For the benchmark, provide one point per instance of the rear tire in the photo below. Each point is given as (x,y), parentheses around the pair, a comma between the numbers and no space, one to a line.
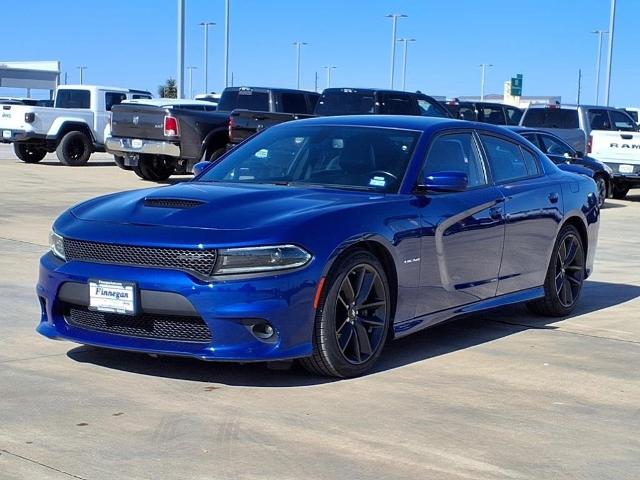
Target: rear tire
(215,154)
(28,153)
(565,276)
(74,149)
(352,319)
(620,191)
(120,162)
(154,168)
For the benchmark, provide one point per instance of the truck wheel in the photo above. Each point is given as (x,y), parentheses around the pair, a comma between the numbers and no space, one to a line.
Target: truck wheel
(215,154)
(120,162)
(620,191)
(28,153)
(155,168)
(74,149)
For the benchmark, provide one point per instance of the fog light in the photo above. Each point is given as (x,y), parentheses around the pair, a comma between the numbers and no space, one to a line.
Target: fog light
(263,331)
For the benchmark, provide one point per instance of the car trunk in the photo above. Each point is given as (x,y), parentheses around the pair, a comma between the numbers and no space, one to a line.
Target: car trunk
(138,121)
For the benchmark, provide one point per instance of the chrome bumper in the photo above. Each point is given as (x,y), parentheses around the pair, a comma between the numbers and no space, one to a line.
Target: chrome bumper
(123,146)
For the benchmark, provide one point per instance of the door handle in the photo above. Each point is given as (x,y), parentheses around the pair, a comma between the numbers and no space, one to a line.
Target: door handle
(554,197)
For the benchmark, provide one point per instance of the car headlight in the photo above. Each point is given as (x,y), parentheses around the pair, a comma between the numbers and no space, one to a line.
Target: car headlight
(260,259)
(56,244)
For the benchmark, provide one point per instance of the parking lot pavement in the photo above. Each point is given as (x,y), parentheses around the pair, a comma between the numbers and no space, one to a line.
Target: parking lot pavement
(505,395)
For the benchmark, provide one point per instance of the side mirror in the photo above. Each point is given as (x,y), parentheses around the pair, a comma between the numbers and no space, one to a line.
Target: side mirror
(445,182)
(200,167)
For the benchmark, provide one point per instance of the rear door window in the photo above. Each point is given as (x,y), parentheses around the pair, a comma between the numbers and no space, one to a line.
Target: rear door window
(73,99)
(113,98)
(245,98)
(293,103)
(599,119)
(398,104)
(345,102)
(431,109)
(506,159)
(531,162)
(552,117)
(513,115)
(622,122)
(493,115)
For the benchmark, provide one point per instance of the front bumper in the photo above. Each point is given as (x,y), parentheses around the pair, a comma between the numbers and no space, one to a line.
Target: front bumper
(631,177)
(227,307)
(124,147)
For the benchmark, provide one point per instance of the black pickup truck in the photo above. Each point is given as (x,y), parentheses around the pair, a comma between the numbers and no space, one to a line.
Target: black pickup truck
(157,138)
(339,101)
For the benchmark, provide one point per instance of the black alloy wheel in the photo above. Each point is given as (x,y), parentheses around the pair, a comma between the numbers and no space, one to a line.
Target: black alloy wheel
(565,276)
(353,317)
(601,184)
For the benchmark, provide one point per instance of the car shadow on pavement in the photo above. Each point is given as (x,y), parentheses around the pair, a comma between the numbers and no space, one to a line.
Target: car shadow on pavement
(442,339)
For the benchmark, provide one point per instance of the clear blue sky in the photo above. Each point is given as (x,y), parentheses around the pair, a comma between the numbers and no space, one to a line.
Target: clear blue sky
(133,43)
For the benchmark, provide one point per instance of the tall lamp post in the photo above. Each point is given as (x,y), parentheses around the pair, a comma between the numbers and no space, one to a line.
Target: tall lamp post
(483,66)
(612,21)
(191,69)
(206,26)
(328,68)
(404,60)
(226,44)
(82,68)
(180,66)
(298,45)
(598,61)
(394,20)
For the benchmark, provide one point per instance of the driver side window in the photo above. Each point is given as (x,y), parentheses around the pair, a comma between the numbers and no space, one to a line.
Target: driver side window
(456,152)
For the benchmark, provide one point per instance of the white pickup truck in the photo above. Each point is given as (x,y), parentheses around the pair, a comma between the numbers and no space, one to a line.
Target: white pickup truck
(606,134)
(74,127)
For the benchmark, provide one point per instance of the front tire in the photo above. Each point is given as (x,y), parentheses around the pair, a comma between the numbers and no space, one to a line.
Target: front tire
(565,276)
(154,168)
(620,191)
(74,149)
(601,185)
(28,153)
(352,319)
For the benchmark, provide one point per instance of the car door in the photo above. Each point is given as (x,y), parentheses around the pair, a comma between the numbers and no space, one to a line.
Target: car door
(558,151)
(462,233)
(533,207)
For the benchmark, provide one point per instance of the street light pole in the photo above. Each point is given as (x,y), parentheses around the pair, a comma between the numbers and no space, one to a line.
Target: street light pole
(598,62)
(206,26)
(612,21)
(191,69)
(328,68)
(180,66)
(394,20)
(298,45)
(226,43)
(484,68)
(82,69)
(404,61)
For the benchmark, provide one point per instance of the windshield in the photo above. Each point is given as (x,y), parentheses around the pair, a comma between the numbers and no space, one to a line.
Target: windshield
(355,158)
(346,102)
(245,98)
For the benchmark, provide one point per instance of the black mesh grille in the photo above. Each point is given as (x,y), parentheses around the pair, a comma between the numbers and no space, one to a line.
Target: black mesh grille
(172,203)
(161,327)
(197,261)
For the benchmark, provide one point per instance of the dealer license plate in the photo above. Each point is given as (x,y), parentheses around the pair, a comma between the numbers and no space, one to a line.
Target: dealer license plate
(136,143)
(6,133)
(112,297)
(625,168)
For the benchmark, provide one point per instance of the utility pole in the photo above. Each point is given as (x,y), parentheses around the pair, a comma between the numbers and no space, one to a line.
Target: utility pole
(315,84)
(598,62)
(226,43)
(206,26)
(298,45)
(394,20)
(483,66)
(180,66)
(191,69)
(579,85)
(612,21)
(404,61)
(82,69)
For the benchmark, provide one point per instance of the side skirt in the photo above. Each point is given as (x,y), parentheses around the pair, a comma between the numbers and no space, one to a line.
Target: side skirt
(410,326)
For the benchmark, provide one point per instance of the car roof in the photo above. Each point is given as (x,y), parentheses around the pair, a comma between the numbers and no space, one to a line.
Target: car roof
(569,106)
(166,102)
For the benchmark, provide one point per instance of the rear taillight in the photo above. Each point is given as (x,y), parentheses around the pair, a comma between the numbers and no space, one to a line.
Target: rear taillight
(589,144)
(171,126)
(29,117)
(232,124)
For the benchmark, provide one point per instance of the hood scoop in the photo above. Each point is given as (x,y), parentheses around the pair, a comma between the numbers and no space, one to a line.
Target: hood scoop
(177,203)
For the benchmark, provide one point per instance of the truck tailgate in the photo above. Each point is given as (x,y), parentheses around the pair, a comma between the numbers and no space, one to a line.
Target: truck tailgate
(616,147)
(138,121)
(244,123)
(12,116)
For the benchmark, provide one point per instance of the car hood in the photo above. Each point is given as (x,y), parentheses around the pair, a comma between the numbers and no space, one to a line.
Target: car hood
(217,206)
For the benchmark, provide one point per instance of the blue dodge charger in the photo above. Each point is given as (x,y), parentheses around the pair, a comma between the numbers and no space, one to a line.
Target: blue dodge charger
(321,239)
